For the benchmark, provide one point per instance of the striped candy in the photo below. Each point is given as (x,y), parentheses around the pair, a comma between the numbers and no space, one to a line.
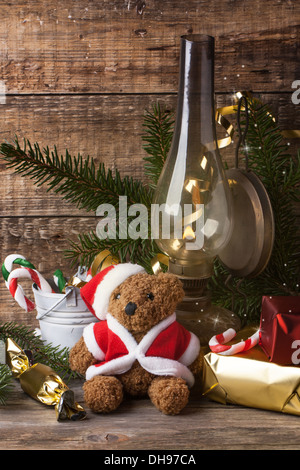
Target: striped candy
(59,280)
(217,343)
(27,271)
(89,275)
(17,291)
(10,260)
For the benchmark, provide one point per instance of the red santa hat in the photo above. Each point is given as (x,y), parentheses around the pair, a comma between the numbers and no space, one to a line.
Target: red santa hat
(97,291)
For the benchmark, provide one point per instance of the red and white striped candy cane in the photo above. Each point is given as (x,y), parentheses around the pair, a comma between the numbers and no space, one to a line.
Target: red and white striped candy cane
(17,291)
(217,345)
(12,260)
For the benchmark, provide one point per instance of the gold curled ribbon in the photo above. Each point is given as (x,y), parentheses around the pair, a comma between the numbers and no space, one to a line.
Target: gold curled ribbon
(291,134)
(220,119)
(102,261)
(228,110)
(157,261)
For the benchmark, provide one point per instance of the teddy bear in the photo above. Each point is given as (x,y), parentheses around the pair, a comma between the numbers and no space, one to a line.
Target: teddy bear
(137,347)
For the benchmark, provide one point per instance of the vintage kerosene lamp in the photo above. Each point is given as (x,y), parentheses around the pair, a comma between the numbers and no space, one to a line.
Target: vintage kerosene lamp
(192,209)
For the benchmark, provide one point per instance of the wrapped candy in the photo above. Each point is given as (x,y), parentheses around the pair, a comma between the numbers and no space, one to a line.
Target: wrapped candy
(42,383)
(250,379)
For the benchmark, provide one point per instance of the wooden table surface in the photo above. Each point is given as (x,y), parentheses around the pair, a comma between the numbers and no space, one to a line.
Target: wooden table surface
(203,425)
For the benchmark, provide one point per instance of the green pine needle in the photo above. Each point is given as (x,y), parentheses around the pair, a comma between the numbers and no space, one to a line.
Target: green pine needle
(52,356)
(75,179)
(280,173)
(6,383)
(158,126)
(79,182)
(140,251)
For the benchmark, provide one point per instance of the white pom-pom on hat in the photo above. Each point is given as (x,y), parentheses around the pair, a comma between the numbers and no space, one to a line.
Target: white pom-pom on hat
(96,293)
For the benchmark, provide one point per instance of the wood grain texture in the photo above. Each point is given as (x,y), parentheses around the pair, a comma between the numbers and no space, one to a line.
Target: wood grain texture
(43,241)
(80,75)
(129,46)
(202,425)
(107,127)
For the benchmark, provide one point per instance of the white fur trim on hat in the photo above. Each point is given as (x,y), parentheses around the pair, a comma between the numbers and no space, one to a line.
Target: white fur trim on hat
(112,279)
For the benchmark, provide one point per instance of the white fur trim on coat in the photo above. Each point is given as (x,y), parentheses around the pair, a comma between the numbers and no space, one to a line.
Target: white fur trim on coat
(137,351)
(91,343)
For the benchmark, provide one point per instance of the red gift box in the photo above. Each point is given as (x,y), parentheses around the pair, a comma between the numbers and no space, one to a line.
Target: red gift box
(280,328)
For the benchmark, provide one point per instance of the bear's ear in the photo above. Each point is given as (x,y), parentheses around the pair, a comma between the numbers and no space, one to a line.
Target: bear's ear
(172,285)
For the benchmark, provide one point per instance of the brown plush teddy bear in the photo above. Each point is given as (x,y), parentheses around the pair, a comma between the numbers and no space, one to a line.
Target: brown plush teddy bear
(137,347)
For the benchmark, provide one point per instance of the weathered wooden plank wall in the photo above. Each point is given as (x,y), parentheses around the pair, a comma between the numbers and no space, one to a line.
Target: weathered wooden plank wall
(79,75)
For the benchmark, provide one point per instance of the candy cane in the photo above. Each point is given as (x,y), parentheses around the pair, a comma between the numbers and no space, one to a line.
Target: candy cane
(10,260)
(217,345)
(59,280)
(17,291)
(89,275)
(27,271)
(15,258)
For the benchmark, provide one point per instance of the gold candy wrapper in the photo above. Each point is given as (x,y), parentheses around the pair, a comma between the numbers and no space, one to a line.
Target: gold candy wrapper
(250,380)
(75,282)
(43,384)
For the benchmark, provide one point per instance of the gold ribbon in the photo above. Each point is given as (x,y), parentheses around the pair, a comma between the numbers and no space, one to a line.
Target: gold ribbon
(105,259)
(220,119)
(157,261)
(102,261)
(291,134)
(228,110)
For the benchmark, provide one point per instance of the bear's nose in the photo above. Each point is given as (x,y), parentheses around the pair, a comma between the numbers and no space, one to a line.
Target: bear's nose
(130,308)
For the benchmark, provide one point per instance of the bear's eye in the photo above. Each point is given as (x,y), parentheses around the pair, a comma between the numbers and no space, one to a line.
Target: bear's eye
(118,296)
(150,296)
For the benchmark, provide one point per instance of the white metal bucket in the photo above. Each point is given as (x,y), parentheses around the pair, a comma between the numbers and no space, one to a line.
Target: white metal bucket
(62,317)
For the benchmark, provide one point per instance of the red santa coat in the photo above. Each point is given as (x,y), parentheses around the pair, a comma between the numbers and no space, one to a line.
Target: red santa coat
(167,349)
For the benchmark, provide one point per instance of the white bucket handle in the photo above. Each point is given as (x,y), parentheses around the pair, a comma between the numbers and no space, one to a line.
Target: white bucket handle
(41,315)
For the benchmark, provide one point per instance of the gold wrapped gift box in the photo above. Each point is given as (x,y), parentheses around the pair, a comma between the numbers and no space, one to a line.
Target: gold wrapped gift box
(251,380)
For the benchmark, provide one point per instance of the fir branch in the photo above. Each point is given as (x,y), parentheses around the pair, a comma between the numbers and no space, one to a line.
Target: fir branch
(53,356)
(159,132)
(280,173)
(140,251)
(75,179)
(6,383)
(79,182)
